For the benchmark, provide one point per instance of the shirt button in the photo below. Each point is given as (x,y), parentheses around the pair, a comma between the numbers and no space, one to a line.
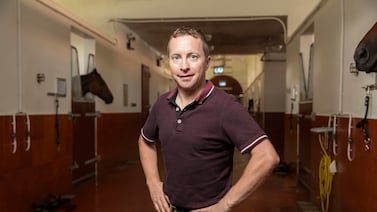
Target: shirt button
(177,109)
(179,121)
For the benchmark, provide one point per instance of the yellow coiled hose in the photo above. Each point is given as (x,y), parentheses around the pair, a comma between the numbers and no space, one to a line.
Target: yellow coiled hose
(325,178)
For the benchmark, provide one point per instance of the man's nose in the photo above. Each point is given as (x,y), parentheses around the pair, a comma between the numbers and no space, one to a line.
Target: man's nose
(185,66)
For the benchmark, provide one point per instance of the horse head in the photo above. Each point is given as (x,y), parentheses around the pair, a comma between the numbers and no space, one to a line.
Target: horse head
(365,54)
(94,83)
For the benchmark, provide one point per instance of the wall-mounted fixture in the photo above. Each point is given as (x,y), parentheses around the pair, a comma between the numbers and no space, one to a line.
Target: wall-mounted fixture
(353,69)
(41,77)
(208,37)
(130,38)
(158,60)
(61,88)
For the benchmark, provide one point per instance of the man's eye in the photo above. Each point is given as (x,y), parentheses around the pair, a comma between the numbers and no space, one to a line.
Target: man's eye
(175,58)
(193,57)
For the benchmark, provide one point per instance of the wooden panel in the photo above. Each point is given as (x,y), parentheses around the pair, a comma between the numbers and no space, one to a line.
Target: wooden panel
(274,123)
(305,107)
(117,139)
(83,140)
(305,155)
(27,177)
(354,186)
(8,161)
(145,83)
(290,139)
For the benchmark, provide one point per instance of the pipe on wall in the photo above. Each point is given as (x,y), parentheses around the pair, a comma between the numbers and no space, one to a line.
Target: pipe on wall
(19,56)
(341,58)
(20,87)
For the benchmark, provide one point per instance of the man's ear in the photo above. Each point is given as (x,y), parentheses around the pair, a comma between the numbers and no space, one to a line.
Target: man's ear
(208,61)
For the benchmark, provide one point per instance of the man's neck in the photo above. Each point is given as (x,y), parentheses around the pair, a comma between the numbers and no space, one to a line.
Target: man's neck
(185,97)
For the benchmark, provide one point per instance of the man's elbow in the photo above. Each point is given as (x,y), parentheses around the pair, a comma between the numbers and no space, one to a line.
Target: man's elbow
(270,157)
(273,159)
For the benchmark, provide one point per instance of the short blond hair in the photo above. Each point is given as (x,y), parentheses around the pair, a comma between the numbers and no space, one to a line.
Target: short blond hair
(196,33)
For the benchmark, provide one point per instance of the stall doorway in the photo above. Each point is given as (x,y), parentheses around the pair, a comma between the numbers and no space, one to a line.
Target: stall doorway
(145,76)
(84,153)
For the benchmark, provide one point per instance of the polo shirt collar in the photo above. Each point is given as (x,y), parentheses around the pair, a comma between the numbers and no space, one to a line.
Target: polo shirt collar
(206,92)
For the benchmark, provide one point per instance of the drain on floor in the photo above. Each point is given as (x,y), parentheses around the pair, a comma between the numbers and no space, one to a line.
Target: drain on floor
(307,206)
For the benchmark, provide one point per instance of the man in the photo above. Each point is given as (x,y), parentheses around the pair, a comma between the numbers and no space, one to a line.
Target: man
(198,127)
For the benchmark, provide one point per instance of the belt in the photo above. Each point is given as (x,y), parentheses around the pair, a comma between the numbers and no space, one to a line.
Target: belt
(178,209)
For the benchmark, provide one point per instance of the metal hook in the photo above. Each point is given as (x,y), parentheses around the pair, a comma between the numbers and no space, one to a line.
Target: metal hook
(367,142)
(14,134)
(367,148)
(28,134)
(334,144)
(349,147)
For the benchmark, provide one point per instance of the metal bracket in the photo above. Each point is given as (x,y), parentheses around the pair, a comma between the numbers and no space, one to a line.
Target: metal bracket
(74,166)
(369,88)
(95,114)
(72,116)
(93,160)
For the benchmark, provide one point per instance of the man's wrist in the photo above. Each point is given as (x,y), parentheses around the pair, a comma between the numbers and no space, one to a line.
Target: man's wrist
(226,204)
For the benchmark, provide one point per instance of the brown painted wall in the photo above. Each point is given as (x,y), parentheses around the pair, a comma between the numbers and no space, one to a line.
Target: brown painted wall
(354,186)
(27,177)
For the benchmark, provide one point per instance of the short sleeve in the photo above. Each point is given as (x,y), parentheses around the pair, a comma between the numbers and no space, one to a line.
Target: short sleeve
(150,128)
(240,127)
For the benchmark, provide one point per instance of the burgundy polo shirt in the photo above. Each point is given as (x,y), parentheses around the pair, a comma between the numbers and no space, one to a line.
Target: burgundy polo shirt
(197,144)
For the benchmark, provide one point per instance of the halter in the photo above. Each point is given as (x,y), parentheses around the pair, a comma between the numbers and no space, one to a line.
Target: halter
(364,122)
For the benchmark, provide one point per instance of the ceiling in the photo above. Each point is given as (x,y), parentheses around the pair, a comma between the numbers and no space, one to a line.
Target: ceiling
(243,35)
(231,26)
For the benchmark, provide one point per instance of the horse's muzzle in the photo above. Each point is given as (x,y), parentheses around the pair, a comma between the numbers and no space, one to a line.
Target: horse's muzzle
(366,58)
(365,54)
(109,99)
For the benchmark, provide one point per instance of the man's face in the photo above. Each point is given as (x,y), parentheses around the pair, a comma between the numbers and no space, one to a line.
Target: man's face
(188,63)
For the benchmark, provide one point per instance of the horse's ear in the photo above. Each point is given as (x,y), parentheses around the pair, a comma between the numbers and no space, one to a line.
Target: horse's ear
(95,70)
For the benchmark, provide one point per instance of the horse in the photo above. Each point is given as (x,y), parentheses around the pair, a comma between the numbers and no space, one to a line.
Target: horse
(365,54)
(94,83)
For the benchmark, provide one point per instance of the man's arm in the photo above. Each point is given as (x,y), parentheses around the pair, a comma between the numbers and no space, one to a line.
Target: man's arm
(149,161)
(263,160)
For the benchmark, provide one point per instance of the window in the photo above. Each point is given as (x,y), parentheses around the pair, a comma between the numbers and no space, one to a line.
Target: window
(222,83)
(218,69)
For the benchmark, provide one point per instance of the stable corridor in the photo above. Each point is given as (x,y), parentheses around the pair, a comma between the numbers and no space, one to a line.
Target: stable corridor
(124,190)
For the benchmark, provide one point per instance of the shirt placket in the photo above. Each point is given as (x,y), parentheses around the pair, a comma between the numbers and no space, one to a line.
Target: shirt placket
(179,118)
